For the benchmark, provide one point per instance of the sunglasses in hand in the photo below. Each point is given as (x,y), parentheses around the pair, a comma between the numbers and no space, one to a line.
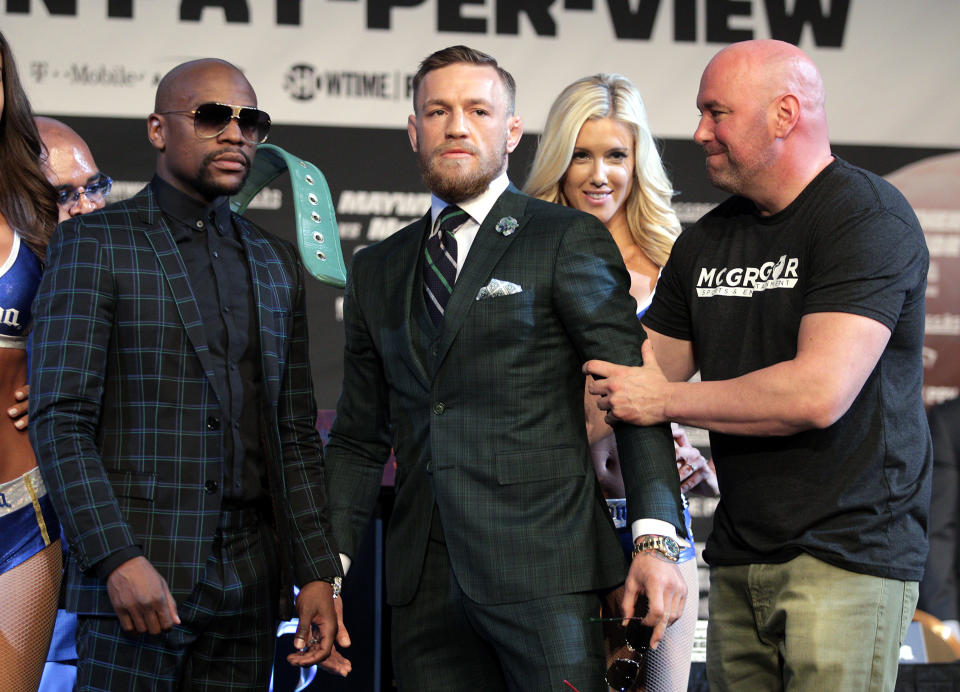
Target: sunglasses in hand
(623,673)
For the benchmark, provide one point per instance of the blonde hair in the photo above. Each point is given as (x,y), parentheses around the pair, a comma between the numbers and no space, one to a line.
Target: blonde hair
(650,218)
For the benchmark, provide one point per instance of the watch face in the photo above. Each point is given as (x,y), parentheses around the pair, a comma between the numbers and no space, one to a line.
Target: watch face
(671,548)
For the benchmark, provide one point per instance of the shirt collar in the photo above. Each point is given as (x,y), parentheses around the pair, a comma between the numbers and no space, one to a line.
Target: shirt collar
(187,210)
(479,206)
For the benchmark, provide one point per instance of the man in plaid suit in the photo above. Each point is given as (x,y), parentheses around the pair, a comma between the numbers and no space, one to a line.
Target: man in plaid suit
(173,416)
(499,542)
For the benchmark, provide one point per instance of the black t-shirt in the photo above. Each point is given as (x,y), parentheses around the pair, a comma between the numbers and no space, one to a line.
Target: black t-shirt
(855,494)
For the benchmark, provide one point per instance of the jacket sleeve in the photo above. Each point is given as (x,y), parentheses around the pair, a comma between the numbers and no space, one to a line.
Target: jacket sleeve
(592,297)
(314,554)
(360,440)
(73,322)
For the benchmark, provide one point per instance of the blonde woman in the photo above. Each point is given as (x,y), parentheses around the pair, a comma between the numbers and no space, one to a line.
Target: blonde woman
(596,154)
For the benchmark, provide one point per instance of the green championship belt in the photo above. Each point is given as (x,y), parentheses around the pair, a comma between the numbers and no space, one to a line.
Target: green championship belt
(317,235)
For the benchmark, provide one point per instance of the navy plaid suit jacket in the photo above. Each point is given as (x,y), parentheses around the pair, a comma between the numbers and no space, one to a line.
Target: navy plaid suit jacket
(487,421)
(124,416)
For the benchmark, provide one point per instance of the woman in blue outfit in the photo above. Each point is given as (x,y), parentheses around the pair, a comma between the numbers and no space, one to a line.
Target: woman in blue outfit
(597,154)
(30,560)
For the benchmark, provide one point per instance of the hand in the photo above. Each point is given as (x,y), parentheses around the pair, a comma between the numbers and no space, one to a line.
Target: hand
(697,474)
(18,412)
(141,598)
(336,663)
(317,625)
(664,587)
(636,395)
(597,427)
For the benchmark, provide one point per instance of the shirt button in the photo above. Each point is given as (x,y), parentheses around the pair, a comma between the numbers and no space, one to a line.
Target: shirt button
(213,423)
(439,408)
(216,254)
(199,223)
(210,487)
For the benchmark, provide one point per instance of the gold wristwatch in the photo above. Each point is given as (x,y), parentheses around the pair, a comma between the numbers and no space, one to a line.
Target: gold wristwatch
(667,547)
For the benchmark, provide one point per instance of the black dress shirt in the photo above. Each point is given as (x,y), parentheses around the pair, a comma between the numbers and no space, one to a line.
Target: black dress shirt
(216,263)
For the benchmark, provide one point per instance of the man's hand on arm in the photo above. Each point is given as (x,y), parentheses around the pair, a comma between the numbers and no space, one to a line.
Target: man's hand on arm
(661,582)
(141,598)
(636,395)
(836,352)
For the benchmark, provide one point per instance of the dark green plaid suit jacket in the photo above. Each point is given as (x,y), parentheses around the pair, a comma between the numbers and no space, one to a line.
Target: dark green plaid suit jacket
(488,422)
(124,416)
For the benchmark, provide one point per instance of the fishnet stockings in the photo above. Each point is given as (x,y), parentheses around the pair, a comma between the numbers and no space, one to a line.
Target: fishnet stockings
(28,609)
(668,668)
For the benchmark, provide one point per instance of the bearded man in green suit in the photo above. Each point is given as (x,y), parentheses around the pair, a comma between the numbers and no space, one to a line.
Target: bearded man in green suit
(465,336)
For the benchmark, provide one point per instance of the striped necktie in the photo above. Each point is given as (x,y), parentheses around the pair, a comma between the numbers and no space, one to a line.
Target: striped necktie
(440,262)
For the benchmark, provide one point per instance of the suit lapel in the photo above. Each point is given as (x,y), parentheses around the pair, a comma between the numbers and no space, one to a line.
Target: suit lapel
(266,301)
(175,273)
(408,266)
(487,249)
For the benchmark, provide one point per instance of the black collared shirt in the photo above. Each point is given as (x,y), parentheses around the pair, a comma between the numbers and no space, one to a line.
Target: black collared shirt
(216,262)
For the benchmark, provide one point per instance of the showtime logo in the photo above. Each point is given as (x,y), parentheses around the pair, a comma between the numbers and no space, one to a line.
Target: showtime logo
(743,282)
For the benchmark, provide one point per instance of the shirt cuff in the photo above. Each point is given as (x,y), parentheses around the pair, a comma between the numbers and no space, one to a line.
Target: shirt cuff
(345,563)
(114,560)
(656,527)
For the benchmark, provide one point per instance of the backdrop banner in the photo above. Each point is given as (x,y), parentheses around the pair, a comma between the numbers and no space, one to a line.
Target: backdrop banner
(335,77)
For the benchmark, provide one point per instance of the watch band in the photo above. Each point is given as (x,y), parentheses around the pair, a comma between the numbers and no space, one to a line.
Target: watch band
(316,222)
(665,547)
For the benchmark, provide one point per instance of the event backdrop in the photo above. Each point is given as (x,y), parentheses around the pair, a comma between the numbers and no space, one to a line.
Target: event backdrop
(335,77)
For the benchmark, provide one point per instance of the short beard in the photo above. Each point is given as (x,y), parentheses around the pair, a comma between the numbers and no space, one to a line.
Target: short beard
(738,178)
(455,186)
(751,164)
(209,189)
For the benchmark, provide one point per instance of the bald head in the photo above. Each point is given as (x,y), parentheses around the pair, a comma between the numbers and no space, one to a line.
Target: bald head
(193,155)
(763,125)
(68,165)
(180,84)
(769,68)
(63,147)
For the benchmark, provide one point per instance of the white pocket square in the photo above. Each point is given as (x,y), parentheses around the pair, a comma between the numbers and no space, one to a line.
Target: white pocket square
(497,288)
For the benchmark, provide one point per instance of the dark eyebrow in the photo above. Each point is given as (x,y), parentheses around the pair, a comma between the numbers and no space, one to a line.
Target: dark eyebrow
(429,103)
(445,104)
